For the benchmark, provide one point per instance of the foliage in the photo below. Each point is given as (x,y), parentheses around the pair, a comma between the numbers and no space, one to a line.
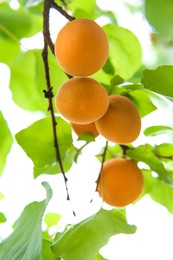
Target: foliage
(149,88)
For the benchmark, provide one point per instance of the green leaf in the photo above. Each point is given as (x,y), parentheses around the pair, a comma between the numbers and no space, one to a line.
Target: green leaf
(109,14)
(142,101)
(6,141)
(149,181)
(159,80)
(138,96)
(83,8)
(47,253)
(108,68)
(113,151)
(165,150)
(88,137)
(159,14)
(2,217)
(125,50)
(144,154)
(163,194)
(18,23)
(52,219)
(99,257)
(26,92)
(38,143)
(84,240)
(26,240)
(158,130)
(10,50)
(28,79)
(67,160)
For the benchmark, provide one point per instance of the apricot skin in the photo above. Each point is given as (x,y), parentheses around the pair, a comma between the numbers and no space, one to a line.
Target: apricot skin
(121,123)
(81,47)
(82,100)
(120,182)
(87,128)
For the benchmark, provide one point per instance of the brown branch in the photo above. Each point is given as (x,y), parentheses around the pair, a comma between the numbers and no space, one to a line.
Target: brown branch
(46,32)
(60,10)
(48,93)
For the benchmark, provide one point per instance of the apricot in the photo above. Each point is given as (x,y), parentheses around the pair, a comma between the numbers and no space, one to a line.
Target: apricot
(82,100)
(87,128)
(120,182)
(122,122)
(81,47)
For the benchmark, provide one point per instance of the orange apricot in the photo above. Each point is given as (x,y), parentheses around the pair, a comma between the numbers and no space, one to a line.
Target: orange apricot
(81,47)
(87,128)
(122,122)
(120,182)
(82,100)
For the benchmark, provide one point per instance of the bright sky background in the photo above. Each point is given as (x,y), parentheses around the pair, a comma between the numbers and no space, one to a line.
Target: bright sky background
(154,236)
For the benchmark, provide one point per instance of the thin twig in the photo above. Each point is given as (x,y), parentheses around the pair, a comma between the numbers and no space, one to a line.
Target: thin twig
(103,160)
(61,10)
(46,32)
(48,93)
(103,157)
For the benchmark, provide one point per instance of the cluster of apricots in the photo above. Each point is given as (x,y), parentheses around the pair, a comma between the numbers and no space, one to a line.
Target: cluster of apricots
(81,49)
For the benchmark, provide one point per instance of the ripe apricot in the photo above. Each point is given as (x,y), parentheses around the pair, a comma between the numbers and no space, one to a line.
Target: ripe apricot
(122,122)
(87,128)
(82,100)
(120,182)
(81,47)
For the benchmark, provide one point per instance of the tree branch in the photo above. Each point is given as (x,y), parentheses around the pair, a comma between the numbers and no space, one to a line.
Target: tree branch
(61,10)
(48,93)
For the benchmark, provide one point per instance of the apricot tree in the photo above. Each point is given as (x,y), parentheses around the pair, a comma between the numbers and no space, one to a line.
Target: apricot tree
(89,87)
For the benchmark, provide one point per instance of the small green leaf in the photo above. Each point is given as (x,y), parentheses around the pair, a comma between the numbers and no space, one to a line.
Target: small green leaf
(144,154)
(38,143)
(2,217)
(46,253)
(88,137)
(116,80)
(163,194)
(99,257)
(52,219)
(149,181)
(142,101)
(26,240)
(125,50)
(84,240)
(159,80)
(165,150)
(6,141)
(158,130)
(113,151)
(83,8)
(108,67)
(159,14)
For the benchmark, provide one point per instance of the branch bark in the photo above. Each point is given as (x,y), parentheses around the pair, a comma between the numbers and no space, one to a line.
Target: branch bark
(49,93)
